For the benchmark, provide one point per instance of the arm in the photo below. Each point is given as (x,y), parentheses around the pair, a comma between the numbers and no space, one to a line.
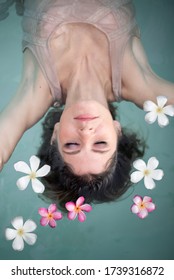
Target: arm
(139,82)
(28,106)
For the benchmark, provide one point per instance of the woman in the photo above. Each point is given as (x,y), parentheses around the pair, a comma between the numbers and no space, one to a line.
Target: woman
(83,55)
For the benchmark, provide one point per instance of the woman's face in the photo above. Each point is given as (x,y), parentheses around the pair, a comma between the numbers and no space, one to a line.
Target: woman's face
(86,137)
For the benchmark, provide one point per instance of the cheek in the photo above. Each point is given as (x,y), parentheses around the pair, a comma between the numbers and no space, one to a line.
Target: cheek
(111,133)
(66,131)
(108,129)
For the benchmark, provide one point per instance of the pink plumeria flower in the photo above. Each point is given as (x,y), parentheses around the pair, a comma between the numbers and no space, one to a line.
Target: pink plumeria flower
(142,206)
(50,215)
(76,209)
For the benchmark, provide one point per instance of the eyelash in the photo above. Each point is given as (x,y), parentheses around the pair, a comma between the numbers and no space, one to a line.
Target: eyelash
(100,142)
(70,144)
(76,144)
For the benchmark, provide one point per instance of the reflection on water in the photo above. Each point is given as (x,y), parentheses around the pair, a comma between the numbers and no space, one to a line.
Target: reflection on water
(111,231)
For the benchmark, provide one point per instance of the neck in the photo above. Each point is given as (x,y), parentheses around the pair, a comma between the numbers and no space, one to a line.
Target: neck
(87,82)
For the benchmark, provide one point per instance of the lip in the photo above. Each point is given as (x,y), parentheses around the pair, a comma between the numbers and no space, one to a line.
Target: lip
(85,117)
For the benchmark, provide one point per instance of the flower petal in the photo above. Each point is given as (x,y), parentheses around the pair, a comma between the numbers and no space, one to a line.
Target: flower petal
(86,207)
(10,233)
(139,164)
(137,199)
(142,214)
(163,120)
(157,174)
(43,171)
(57,216)
(151,117)
(72,215)
(37,186)
(22,183)
(169,110)
(18,243)
(43,212)
(147,199)
(149,106)
(21,166)
(81,216)
(70,206)
(44,221)
(80,201)
(136,176)
(34,163)
(152,163)
(29,226)
(52,223)
(149,183)
(30,238)
(135,209)
(52,208)
(17,222)
(161,101)
(150,206)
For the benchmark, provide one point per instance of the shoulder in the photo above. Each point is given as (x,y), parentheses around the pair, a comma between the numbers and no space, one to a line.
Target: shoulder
(139,81)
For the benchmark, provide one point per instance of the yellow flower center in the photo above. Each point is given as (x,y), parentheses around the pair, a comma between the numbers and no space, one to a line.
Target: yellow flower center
(77,209)
(146,172)
(159,110)
(142,206)
(20,231)
(50,216)
(33,175)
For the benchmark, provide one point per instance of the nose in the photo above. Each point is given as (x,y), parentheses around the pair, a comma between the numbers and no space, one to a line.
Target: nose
(86,128)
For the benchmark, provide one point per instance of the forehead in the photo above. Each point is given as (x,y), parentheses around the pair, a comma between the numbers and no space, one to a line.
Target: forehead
(89,164)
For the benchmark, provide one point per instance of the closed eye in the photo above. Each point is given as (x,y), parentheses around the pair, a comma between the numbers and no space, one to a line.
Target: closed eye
(71,146)
(100,144)
(74,148)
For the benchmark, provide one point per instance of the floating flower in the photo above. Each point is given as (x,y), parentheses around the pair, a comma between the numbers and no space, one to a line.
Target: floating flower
(158,111)
(148,172)
(142,206)
(49,216)
(33,173)
(77,209)
(21,233)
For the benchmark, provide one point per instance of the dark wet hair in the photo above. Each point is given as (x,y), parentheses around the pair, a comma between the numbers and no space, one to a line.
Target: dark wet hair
(62,185)
(5,6)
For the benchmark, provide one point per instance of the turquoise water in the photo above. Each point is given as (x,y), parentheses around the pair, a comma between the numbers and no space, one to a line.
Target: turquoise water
(111,231)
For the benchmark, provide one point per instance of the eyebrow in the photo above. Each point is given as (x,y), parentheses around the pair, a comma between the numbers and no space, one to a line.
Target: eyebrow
(78,151)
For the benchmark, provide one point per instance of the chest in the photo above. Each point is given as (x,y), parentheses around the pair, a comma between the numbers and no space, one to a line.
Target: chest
(71,42)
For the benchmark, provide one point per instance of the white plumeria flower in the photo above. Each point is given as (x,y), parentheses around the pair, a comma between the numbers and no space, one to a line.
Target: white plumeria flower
(148,172)
(158,111)
(21,232)
(32,174)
